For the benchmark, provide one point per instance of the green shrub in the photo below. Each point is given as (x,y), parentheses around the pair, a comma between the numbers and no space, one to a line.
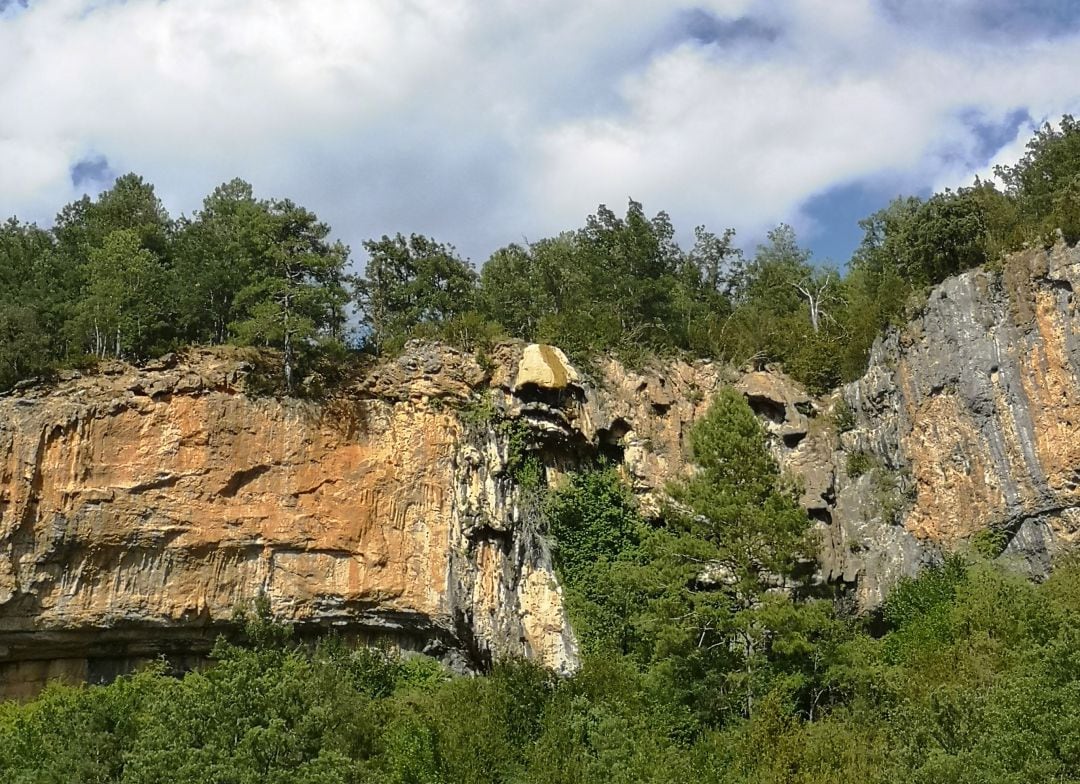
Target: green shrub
(843,416)
(859,463)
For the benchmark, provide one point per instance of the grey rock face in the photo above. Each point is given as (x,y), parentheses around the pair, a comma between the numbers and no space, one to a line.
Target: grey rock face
(967,425)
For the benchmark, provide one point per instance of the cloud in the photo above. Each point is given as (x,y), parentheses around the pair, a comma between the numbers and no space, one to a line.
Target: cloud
(483,123)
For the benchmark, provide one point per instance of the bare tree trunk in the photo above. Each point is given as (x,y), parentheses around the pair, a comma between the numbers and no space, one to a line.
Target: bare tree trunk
(749,675)
(287,346)
(814,298)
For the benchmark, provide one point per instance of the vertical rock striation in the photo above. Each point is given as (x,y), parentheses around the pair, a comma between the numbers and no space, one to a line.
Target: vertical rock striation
(969,422)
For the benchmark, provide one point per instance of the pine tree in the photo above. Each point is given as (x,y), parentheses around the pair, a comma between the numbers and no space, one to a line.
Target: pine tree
(743,525)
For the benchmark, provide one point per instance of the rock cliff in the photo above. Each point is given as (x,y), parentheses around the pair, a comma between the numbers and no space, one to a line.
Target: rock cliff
(966,428)
(140,506)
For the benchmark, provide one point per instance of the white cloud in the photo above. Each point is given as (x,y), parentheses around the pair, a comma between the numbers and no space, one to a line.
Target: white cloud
(482,122)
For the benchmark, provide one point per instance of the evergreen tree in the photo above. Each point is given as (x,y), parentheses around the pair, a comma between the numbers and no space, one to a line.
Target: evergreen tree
(295,295)
(743,528)
(409,282)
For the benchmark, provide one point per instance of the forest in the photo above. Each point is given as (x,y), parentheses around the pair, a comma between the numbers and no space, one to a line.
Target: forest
(707,653)
(117,277)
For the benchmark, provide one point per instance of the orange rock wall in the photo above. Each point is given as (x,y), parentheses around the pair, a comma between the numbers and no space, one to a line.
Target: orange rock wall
(123,510)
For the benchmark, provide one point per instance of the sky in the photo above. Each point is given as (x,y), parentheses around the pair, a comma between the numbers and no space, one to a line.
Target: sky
(482,123)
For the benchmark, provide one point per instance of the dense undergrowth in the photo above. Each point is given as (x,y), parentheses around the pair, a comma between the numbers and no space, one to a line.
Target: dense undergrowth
(117,276)
(694,669)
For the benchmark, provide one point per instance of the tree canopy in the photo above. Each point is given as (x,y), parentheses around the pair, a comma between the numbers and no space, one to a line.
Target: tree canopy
(117,276)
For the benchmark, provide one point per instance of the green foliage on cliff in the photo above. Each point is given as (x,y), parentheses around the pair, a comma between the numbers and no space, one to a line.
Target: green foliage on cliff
(116,277)
(1045,183)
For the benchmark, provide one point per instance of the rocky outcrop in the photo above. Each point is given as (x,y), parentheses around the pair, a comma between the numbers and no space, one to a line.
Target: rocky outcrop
(140,506)
(967,428)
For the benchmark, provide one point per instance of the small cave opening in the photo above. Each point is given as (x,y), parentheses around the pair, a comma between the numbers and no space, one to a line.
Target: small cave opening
(1060,284)
(556,398)
(792,440)
(610,440)
(772,410)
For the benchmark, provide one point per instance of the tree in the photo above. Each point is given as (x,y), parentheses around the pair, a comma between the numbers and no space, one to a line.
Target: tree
(1046,182)
(120,312)
(738,501)
(125,230)
(789,311)
(216,253)
(129,204)
(409,282)
(618,283)
(24,343)
(519,287)
(719,264)
(776,266)
(631,265)
(820,289)
(743,527)
(295,295)
(26,302)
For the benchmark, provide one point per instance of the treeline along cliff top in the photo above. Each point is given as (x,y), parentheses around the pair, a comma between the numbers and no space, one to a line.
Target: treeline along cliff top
(117,276)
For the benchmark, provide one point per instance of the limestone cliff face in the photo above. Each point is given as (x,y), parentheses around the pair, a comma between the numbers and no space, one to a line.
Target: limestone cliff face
(140,506)
(968,426)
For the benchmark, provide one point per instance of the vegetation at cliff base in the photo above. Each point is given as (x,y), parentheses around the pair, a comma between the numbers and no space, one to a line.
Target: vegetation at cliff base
(695,668)
(117,276)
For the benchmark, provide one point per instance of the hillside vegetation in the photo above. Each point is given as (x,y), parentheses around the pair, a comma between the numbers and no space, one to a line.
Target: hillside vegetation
(116,276)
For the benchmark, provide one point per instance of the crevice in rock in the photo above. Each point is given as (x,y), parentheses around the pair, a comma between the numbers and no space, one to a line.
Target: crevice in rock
(241,478)
(610,440)
(154,484)
(315,488)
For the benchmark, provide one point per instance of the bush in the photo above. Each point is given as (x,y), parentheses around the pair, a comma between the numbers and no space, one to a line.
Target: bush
(859,463)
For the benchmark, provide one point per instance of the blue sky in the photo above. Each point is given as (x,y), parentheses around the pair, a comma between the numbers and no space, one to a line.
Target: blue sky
(484,123)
